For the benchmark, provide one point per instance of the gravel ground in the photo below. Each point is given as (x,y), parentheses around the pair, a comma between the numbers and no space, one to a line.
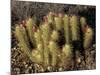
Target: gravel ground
(20,64)
(21,10)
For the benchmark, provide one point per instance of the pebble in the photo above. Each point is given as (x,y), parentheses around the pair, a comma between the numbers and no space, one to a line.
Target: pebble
(14,48)
(60,69)
(94,45)
(30,67)
(49,68)
(26,66)
(42,70)
(13,60)
(27,71)
(17,70)
(24,63)
(78,60)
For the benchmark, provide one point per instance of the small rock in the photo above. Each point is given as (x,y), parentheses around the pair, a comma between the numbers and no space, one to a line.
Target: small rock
(60,69)
(78,60)
(30,67)
(26,66)
(24,62)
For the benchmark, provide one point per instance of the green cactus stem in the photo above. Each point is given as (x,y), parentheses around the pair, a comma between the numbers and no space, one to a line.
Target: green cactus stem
(23,40)
(74,23)
(41,50)
(66,55)
(83,23)
(36,54)
(46,31)
(54,35)
(88,37)
(38,37)
(30,26)
(58,22)
(50,18)
(53,49)
(67,29)
(46,56)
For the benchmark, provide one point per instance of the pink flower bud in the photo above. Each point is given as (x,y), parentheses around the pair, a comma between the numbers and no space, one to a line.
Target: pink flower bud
(60,15)
(23,23)
(51,13)
(45,19)
(85,28)
(55,14)
(34,29)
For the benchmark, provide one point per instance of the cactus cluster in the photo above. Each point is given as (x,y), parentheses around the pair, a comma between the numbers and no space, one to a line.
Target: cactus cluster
(42,44)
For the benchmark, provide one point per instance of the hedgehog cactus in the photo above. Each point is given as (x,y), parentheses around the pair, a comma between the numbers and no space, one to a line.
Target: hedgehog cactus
(41,44)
